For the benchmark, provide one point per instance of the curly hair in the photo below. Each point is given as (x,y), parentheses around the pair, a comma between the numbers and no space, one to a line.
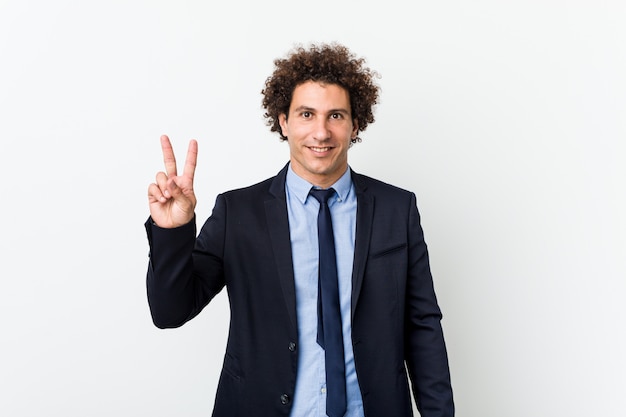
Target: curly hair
(325,63)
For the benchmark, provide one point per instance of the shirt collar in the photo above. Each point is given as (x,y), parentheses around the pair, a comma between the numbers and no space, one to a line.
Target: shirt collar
(299,187)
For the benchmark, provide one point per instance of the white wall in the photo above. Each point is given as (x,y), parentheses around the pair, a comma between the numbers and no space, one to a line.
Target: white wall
(508,119)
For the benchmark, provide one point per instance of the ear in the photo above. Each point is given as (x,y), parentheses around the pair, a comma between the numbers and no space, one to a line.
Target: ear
(355,128)
(282,120)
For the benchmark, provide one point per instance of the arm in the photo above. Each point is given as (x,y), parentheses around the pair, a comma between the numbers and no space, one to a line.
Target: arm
(426,354)
(184,273)
(180,280)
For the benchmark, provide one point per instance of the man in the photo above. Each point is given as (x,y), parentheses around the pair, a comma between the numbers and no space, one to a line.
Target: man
(272,247)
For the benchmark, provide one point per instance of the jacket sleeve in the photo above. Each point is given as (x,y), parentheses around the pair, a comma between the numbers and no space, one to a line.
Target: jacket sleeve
(426,353)
(184,273)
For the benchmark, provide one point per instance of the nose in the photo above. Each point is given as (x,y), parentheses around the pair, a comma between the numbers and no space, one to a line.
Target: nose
(321,131)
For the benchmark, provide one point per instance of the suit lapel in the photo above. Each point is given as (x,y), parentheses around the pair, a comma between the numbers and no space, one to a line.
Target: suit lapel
(364,218)
(278,227)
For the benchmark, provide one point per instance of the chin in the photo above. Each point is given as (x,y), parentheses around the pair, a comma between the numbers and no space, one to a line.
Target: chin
(321,170)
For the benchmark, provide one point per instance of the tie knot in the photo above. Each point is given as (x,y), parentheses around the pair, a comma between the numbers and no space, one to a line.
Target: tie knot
(322,195)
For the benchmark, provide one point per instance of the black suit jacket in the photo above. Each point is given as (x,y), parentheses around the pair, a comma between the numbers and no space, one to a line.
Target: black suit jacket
(245,246)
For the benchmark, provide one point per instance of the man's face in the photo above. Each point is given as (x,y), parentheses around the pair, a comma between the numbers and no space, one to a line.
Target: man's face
(319,129)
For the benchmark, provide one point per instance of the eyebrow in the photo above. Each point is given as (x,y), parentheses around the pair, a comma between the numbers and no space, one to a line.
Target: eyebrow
(311,109)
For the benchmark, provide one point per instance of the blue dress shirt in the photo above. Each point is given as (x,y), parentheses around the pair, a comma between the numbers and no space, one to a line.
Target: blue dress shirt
(310,394)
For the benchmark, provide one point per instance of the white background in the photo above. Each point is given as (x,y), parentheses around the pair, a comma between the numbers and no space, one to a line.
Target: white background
(507,118)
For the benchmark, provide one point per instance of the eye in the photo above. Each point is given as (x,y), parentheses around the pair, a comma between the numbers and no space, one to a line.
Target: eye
(336,116)
(306,114)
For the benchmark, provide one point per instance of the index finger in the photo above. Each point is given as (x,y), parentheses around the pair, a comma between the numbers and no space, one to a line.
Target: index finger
(168,156)
(190,161)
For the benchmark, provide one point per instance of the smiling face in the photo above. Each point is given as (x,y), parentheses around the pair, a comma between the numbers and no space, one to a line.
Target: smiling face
(319,129)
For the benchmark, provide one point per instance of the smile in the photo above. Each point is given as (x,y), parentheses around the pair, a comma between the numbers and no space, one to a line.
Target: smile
(316,149)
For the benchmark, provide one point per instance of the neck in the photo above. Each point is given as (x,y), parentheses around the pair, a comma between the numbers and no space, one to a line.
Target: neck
(318,180)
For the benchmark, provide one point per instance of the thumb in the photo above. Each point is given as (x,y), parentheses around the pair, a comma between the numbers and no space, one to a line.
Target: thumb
(172,189)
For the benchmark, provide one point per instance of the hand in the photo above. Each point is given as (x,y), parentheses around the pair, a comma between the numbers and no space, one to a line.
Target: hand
(172,200)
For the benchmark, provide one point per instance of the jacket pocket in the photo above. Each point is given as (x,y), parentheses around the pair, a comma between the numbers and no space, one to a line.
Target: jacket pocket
(387,251)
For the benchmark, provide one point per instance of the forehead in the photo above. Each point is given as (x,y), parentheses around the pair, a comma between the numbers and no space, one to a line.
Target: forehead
(320,96)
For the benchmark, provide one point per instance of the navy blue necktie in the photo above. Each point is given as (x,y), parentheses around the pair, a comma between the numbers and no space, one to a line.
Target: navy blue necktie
(329,331)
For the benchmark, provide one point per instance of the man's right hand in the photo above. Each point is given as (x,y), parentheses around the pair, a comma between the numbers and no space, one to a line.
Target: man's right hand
(171,199)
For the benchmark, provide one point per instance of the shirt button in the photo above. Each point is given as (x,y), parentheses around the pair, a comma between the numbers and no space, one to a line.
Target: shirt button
(323,390)
(284,399)
(292,346)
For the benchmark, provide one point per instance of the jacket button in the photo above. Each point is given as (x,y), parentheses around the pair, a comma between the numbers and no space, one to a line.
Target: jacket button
(284,399)
(292,346)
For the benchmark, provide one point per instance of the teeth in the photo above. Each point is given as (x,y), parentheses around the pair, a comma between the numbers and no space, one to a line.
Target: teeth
(320,149)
